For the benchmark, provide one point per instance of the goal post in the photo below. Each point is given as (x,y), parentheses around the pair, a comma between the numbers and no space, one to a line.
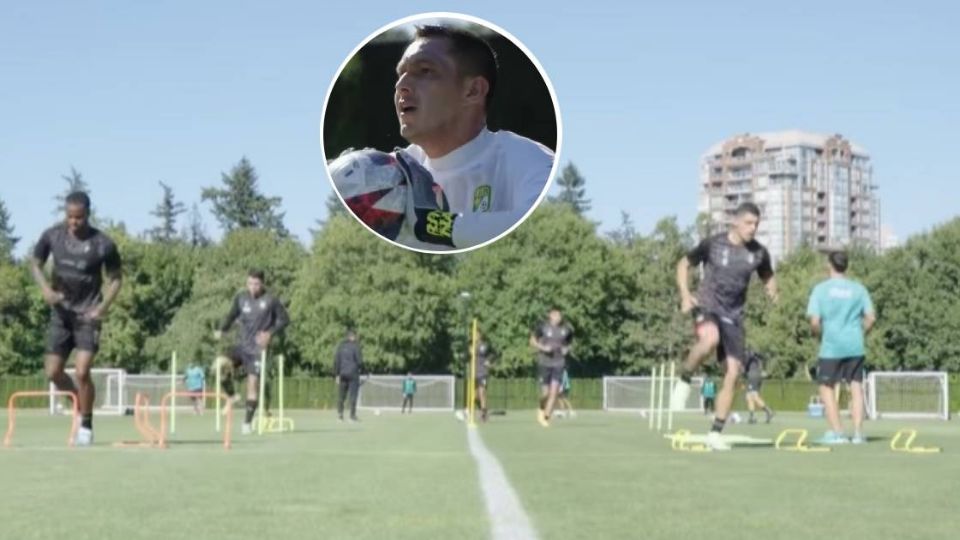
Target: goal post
(385,392)
(633,394)
(110,397)
(908,394)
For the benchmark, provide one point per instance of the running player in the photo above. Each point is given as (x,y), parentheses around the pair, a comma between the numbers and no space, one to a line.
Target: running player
(81,255)
(564,396)
(553,341)
(261,316)
(729,261)
(445,83)
(754,373)
(841,312)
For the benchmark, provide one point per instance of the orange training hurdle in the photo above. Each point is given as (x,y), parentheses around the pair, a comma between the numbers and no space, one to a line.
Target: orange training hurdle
(12,417)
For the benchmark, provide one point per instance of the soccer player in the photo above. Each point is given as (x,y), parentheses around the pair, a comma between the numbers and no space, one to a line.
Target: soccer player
(445,83)
(409,390)
(841,312)
(261,316)
(729,260)
(564,396)
(709,393)
(754,372)
(484,361)
(194,380)
(347,367)
(81,255)
(553,340)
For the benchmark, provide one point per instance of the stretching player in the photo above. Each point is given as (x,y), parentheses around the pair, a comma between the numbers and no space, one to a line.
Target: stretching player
(261,317)
(841,312)
(553,341)
(81,255)
(754,373)
(445,83)
(729,260)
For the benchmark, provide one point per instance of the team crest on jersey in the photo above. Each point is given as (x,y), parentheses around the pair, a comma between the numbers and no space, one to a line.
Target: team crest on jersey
(482,198)
(725,257)
(263,304)
(246,307)
(750,257)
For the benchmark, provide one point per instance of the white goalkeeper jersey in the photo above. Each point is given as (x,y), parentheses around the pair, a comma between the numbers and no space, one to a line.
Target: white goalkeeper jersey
(491,181)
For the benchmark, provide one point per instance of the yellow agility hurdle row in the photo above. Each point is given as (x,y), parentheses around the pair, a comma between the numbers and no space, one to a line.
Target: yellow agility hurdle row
(907,447)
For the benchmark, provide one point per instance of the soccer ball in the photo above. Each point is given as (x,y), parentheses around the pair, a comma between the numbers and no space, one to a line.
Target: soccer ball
(460,416)
(376,187)
(376,412)
(735,418)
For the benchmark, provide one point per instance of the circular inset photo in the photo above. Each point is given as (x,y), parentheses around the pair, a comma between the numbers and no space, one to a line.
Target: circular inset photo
(440,132)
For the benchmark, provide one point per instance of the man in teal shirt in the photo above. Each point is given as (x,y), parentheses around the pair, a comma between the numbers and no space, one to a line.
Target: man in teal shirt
(194,383)
(409,390)
(709,393)
(841,312)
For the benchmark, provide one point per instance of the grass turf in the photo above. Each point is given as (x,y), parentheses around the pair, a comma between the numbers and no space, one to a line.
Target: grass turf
(597,476)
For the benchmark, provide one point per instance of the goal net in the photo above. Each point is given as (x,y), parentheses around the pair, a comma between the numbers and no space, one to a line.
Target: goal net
(434,392)
(109,385)
(908,394)
(154,387)
(632,394)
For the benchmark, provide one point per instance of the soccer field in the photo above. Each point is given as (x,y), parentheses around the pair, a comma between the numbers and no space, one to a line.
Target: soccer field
(597,476)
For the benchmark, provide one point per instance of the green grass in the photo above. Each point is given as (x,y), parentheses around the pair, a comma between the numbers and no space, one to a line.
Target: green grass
(598,476)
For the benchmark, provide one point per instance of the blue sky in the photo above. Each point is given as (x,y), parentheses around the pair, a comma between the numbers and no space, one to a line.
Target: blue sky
(131,94)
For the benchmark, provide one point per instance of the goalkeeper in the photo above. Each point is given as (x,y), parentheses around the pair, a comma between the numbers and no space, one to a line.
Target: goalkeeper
(841,312)
(492,179)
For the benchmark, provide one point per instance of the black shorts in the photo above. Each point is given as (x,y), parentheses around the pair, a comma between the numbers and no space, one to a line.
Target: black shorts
(754,384)
(247,357)
(69,330)
(733,338)
(832,370)
(549,374)
(481,381)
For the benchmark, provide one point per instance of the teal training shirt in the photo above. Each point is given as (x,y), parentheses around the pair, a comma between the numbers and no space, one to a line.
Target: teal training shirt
(709,389)
(194,380)
(841,304)
(409,386)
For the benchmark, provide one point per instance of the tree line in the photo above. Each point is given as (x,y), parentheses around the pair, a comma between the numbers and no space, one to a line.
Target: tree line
(616,288)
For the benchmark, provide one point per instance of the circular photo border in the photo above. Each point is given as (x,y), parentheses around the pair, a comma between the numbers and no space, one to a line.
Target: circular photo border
(469,19)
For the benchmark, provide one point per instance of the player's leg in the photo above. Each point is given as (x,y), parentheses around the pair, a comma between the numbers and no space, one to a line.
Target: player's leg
(761,404)
(853,373)
(708,337)
(552,390)
(403,406)
(482,397)
(828,375)
(751,405)
(354,390)
(252,401)
(86,394)
(342,387)
(59,344)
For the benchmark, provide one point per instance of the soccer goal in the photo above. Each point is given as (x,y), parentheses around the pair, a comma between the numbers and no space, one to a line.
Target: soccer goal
(908,394)
(109,383)
(154,387)
(434,392)
(632,394)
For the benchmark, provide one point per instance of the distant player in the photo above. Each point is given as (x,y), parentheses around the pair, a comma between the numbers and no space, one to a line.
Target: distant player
(81,255)
(563,398)
(484,361)
(261,317)
(194,382)
(841,312)
(445,84)
(709,394)
(347,367)
(553,340)
(754,373)
(409,390)
(729,260)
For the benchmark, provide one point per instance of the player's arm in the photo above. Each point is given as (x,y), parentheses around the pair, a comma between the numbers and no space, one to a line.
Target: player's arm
(696,256)
(535,342)
(568,342)
(41,252)
(869,315)
(765,271)
(230,318)
(280,320)
(113,269)
(813,312)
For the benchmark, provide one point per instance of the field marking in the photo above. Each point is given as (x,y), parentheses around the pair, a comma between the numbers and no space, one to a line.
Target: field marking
(508,521)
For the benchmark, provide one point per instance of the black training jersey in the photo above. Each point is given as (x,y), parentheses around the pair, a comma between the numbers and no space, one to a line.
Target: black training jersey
(260,314)
(348,361)
(484,354)
(554,337)
(727,268)
(78,264)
